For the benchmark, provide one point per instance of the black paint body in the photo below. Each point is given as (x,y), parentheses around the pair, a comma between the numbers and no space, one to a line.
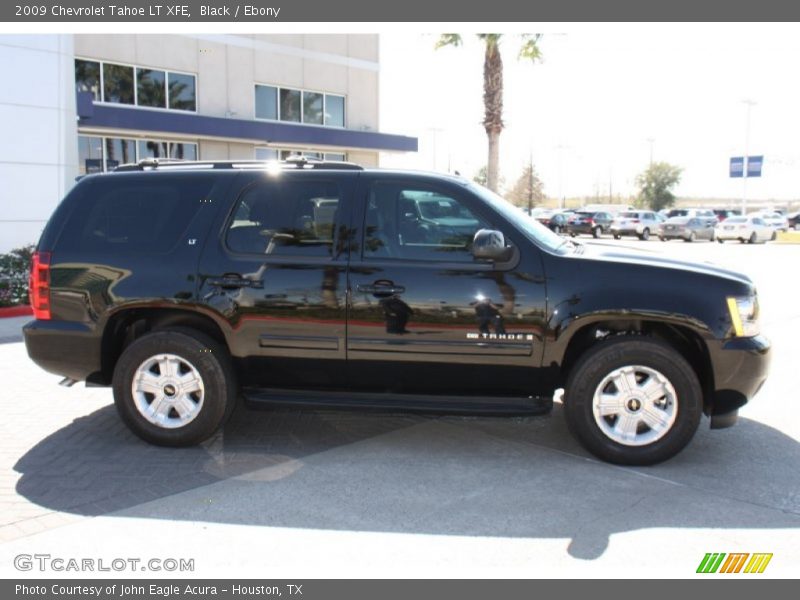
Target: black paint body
(353,324)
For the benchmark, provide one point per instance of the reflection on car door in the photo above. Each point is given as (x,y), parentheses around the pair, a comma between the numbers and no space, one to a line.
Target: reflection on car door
(423,313)
(277,275)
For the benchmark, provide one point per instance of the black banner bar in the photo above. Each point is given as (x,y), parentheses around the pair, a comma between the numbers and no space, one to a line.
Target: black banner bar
(341,11)
(377,589)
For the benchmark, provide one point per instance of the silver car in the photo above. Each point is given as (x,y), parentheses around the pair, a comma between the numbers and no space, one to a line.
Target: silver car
(688,229)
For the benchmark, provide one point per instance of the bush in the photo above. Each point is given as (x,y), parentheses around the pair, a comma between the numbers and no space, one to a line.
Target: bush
(14,269)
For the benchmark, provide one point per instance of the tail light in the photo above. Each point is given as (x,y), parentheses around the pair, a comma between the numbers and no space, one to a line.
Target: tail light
(590,221)
(634,220)
(742,226)
(39,285)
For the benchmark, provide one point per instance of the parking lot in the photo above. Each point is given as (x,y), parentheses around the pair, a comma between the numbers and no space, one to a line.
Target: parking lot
(364,494)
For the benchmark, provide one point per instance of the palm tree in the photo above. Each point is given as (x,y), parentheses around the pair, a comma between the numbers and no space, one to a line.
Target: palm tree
(493,89)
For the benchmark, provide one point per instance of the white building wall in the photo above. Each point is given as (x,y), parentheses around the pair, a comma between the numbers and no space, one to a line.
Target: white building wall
(38,150)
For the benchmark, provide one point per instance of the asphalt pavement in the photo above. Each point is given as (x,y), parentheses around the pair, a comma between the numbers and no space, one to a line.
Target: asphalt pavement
(314,494)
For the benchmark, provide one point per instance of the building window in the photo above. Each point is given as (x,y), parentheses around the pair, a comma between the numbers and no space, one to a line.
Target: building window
(182,95)
(266,102)
(90,154)
(118,84)
(119,152)
(140,86)
(151,89)
(290,105)
(299,106)
(312,108)
(334,110)
(87,77)
(97,154)
(284,153)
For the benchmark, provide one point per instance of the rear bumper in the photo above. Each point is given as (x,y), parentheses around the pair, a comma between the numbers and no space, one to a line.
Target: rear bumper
(64,348)
(741,366)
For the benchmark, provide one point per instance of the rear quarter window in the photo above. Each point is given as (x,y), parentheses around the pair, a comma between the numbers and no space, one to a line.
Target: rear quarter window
(135,214)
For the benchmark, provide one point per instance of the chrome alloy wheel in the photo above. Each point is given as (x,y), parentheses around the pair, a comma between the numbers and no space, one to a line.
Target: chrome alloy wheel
(635,405)
(168,391)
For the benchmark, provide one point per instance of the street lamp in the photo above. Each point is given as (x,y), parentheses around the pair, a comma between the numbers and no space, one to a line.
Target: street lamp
(651,141)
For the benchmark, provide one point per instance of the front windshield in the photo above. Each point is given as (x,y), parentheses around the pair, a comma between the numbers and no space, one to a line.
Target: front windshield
(531,228)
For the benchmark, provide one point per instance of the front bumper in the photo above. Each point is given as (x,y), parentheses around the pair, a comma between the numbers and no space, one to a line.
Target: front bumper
(741,366)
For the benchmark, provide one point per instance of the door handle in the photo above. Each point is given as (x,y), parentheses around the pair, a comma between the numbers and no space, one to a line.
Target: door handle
(380,289)
(235,281)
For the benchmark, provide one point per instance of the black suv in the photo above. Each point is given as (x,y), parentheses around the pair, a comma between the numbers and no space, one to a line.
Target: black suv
(184,286)
(594,223)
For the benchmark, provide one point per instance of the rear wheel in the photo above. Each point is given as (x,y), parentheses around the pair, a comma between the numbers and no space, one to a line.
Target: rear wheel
(617,236)
(633,401)
(556,229)
(174,387)
(720,240)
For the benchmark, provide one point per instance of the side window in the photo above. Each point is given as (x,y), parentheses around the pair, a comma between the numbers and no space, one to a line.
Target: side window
(137,214)
(408,221)
(287,218)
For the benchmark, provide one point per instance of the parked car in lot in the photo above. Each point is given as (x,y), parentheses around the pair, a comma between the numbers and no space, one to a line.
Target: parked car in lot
(792,220)
(705,213)
(750,229)
(593,223)
(774,219)
(724,213)
(184,286)
(688,229)
(554,220)
(640,223)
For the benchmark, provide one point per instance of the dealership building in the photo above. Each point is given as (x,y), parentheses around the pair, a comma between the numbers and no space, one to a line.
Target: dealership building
(77,104)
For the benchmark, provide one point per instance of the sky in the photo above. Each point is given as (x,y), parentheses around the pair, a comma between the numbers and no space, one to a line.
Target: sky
(602,98)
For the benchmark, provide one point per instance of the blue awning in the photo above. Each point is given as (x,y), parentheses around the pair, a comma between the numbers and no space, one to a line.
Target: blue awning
(109,116)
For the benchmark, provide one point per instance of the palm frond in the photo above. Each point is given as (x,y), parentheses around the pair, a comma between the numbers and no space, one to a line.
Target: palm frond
(530,47)
(449,39)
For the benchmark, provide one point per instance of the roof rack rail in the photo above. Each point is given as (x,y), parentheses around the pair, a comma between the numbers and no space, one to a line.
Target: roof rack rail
(293,162)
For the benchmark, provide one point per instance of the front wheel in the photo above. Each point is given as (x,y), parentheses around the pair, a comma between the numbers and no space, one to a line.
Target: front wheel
(633,401)
(720,240)
(645,235)
(692,237)
(617,236)
(174,387)
(753,238)
(556,229)
(596,232)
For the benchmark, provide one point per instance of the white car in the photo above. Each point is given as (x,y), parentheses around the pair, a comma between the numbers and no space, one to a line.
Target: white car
(640,223)
(774,219)
(750,229)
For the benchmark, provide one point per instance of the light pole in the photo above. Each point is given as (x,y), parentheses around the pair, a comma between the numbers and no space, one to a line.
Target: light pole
(749,104)
(651,141)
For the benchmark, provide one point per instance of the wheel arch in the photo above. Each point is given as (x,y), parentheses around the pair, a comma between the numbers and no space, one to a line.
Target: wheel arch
(127,325)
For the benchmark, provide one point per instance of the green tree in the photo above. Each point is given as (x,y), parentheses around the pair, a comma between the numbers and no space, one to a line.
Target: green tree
(655,185)
(493,90)
(480,176)
(528,191)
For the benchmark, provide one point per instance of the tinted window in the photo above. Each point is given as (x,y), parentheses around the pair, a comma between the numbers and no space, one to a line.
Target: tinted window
(334,110)
(181,91)
(87,77)
(312,108)
(290,105)
(151,88)
(266,102)
(117,84)
(287,218)
(134,214)
(411,222)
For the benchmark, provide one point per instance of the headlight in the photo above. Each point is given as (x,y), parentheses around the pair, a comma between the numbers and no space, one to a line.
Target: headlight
(744,315)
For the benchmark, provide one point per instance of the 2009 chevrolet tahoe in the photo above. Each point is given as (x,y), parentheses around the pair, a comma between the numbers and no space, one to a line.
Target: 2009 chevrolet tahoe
(185,285)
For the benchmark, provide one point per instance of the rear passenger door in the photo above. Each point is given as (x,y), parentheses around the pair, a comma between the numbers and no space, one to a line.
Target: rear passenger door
(276,274)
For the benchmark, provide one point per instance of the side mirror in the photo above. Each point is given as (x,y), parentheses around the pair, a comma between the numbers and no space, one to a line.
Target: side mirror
(489,244)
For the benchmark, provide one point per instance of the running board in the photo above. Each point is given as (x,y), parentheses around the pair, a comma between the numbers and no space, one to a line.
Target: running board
(474,405)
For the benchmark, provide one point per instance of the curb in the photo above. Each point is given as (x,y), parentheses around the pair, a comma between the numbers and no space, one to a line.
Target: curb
(788,237)
(6,312)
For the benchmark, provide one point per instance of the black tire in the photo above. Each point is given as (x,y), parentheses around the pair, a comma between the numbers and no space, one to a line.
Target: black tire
(774,236)
(692,237)
(603,359)
(720,240)
(572,234)
(662,238)
(211,361)
(556,229)
(596,232)
(645,235)
(753,238)
(617,236)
